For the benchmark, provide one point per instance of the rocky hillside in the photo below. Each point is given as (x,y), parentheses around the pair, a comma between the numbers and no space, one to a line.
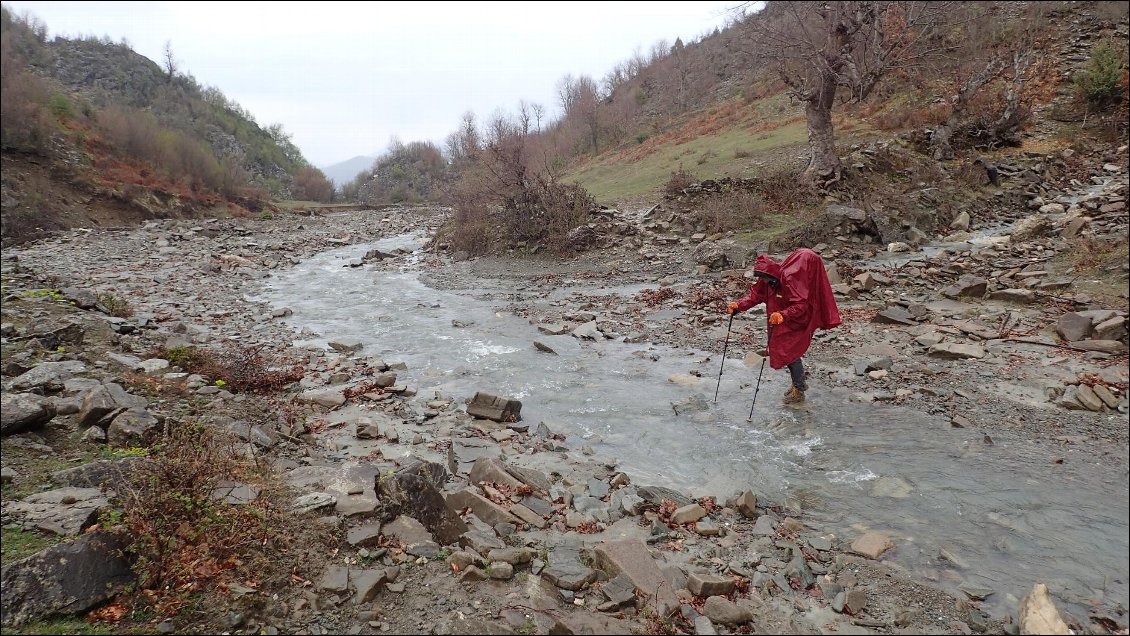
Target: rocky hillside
(95,133)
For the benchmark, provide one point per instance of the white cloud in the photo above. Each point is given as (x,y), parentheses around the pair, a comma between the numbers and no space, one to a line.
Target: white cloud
(345,77)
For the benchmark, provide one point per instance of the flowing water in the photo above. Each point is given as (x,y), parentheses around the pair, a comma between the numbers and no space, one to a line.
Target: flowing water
(964,512)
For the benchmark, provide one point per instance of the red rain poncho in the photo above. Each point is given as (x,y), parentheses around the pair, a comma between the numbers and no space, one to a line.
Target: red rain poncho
(804,298)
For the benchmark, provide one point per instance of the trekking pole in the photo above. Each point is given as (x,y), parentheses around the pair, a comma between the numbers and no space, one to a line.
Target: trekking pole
(724,347)
(768,337)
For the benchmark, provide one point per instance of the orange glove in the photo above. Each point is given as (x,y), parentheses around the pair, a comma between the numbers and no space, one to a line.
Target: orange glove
(776,318)
(732,308)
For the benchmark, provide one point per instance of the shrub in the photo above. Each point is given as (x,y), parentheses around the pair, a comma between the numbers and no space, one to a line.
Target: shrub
(61,107)
(114,306)
(241,369)
(185,538)
(735,210)
(1101,81)
(310,184)
(679,181)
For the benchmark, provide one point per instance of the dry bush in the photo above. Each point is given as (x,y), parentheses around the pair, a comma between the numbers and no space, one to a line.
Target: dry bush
(26,124)
(734,210)
(781,192)
(185,539)
(502,200)
(311,184)
(679,181)
(1090,253)
(239,369)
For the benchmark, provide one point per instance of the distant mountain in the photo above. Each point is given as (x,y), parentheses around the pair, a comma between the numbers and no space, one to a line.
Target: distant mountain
(344,171)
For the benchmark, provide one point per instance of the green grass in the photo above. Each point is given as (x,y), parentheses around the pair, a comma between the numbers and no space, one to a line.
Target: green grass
(60,625)
(16,544)
(611,179)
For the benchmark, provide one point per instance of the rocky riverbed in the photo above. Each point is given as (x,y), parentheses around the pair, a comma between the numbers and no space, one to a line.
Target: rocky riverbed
(451,507)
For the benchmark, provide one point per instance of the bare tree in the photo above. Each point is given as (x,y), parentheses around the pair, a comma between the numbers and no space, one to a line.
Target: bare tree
(977,63)
(171,65)
(817,48)
(539,111)
(524,116)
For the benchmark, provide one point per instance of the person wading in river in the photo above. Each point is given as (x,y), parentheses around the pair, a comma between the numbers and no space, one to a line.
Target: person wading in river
(798,300)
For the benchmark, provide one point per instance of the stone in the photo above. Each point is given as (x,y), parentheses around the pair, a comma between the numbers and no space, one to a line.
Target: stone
(872,545)
(746,504)
(483,508)
(366,535)
(720,609)
(313,501)
(956,351)
(345,345)
(569,576)
(631,558)
(367,584)
(513,556)
(894,315)
(63,511)
(709,584)
(703,626)
(67,578)
(588,331)
(493,471)
(961,222)
(500,571)
(48,376)
(23,411)
(329,398)
(1019,296)
(133,428)
(1105,395)
(967,285)
(1086,396)
(365,428)
(97,474)
(104,400)
(412,490)
(335,579)
(464,452)
(1101,346)
(854,601)
(1072,326)
(493,407)
(528,516)
(1110,329)
(656,494)
(480,542)
(688,514)
(1033,227)
(1038,613)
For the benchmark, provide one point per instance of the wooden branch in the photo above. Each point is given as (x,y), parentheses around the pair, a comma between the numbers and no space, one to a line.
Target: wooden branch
(1054,345)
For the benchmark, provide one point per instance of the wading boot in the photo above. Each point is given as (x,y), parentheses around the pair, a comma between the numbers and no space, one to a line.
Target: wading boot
(794,396)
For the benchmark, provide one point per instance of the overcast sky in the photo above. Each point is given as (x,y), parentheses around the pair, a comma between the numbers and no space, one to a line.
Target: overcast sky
(345,77)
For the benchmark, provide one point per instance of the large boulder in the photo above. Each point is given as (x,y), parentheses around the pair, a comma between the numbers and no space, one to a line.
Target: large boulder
(22,411)
(48,376)
(414,491)
(711,255)
(104,400)
(67,578)
(1030,228)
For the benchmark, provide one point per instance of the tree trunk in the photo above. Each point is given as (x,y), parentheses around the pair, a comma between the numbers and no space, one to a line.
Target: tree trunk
(941,139)
(824,167)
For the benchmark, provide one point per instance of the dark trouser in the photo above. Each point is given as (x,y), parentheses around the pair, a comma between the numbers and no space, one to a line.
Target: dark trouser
(796,371)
